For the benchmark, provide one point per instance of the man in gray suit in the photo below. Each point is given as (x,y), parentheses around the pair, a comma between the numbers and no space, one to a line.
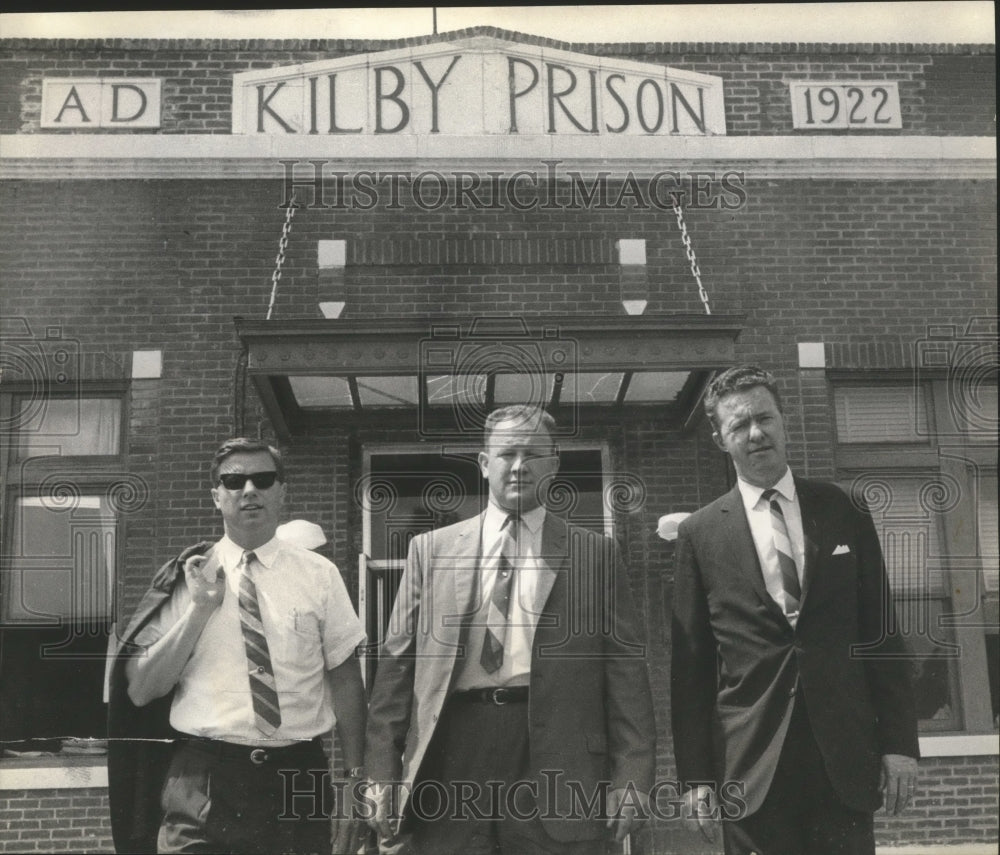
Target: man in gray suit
(780,616)
(511,710)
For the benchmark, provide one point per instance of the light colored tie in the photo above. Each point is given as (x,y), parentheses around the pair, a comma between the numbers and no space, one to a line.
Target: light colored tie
(263,691)
(783,548)
(496,619)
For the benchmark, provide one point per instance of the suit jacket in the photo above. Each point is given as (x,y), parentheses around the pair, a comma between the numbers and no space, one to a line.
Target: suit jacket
(737,660)
(140,738)
(590,707)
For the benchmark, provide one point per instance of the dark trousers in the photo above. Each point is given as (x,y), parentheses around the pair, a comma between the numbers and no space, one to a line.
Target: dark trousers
(801,814)
(453,808)
(216,799)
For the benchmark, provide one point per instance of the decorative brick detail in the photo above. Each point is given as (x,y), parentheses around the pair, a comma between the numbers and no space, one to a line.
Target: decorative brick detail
(452,251)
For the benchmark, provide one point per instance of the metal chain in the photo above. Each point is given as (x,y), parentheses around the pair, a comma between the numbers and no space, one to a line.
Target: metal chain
(695,271)
(286,230)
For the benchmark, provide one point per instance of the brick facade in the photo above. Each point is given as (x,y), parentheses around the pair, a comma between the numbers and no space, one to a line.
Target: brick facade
(946,90)
(123,265)
(55,821)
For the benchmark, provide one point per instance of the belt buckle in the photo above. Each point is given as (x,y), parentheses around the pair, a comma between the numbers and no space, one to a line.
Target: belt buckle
(258,756)
(496,696)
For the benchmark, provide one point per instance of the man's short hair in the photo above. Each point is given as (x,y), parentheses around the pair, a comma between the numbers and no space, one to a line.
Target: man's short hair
(244,445)
(739,378)
(523,415)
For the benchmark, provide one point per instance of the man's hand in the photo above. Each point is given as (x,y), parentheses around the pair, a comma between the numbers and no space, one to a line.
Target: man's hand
(700,805)
(898,782)
(348,832)
(627,808)
(383,822)
(206,594)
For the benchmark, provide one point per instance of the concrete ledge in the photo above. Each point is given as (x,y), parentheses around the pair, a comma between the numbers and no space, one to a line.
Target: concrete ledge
(221,156)
(960,745)
(62,776)
(957,849)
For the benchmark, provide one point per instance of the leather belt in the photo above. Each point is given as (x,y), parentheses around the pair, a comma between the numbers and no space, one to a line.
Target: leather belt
(258,755)
(498,695)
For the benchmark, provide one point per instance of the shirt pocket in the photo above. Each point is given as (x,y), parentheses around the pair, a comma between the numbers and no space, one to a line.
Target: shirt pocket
(298,645)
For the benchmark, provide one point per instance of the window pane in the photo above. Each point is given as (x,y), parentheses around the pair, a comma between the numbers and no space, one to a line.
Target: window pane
(935,661)
(975,406)
(52,689)
(69,426)
(993,669)
(62,561)
(590,388)
(321,391)
(388,391)
(530,387)
(989,550)
(908,528)
(452,389)
(881,414)
(655,386)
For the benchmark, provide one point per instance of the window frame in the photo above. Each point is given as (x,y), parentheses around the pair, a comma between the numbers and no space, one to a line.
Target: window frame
(24,478)
(947,452)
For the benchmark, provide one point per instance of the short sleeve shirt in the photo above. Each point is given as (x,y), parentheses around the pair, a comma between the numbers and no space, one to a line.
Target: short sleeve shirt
(310,624)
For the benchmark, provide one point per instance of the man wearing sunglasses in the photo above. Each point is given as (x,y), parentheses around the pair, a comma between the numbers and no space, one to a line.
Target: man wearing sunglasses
(247,647)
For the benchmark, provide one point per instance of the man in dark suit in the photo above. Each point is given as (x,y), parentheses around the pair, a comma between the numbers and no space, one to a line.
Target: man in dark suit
(780,615)
(512,717)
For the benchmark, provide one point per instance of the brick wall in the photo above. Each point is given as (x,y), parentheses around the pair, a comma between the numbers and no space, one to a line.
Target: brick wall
(956,803)
(945,90)
(852,265)
(855,266)
(55,821)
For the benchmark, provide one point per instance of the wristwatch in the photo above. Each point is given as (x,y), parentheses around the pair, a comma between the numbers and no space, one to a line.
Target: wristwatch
(355,772)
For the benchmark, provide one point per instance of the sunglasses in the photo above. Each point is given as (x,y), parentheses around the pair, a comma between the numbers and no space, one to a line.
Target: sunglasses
(238,480)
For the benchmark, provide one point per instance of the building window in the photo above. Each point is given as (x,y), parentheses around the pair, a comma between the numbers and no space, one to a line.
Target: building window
(922,459)
(877,414)
(61,476)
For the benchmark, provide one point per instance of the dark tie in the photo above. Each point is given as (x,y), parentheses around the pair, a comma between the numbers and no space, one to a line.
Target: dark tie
(496,618)
(263,691)
(783,548)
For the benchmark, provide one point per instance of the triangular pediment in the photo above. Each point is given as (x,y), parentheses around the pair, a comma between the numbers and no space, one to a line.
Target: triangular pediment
(476,83)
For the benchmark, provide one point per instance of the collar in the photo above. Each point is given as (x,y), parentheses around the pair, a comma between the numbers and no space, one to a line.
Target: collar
(230,553)
(751,494)
(532,519)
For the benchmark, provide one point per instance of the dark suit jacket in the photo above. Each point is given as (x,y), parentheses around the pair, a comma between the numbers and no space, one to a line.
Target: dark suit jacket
(590,707)
(736,657)
(139,746)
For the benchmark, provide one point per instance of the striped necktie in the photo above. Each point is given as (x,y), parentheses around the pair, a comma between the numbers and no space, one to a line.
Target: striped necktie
(496,619)
(263,692)
(783,549)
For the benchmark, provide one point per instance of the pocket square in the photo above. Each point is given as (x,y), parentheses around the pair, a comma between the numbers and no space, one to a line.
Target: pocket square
(843,549)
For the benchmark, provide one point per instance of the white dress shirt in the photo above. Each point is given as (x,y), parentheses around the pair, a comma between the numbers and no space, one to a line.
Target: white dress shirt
(522,617)
(759,516)
(310,625)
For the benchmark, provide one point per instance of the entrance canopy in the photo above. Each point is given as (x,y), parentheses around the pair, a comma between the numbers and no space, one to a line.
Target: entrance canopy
(448,374)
